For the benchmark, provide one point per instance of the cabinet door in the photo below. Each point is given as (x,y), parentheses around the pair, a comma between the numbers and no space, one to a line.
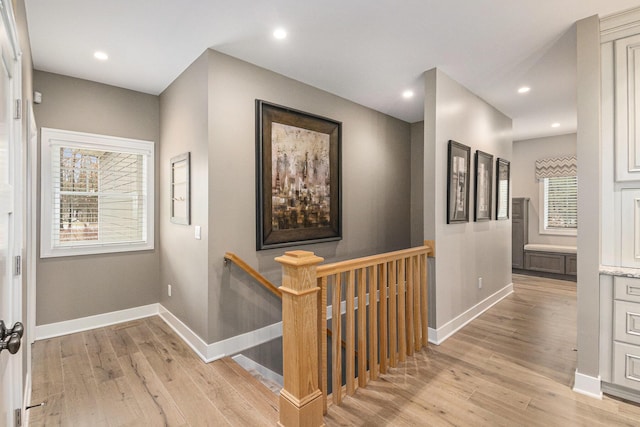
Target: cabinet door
(626,326)
(546,262)
(630,228)
(626,365)
(626,108)
(517,243)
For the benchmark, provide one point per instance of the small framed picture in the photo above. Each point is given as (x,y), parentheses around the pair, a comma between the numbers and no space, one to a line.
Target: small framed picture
(503,172)
(484,181)
(180,189)
(458,183)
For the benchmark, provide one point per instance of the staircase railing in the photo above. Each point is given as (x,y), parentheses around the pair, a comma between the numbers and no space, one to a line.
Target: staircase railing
(391,288)
(230,256)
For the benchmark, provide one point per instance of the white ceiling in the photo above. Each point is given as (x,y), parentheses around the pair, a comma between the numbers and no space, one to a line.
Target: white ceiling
(363,50)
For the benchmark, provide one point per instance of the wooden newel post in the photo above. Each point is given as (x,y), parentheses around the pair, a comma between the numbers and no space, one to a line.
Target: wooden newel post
(301,398)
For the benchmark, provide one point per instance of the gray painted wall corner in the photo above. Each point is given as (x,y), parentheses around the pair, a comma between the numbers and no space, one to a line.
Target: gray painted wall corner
(75,287)
(589,244)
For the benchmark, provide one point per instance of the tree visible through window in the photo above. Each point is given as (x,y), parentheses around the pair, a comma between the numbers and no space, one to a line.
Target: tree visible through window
(98,196)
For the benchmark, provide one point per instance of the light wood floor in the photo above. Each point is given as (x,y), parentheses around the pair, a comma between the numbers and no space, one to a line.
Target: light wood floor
(514,365)
(140,373)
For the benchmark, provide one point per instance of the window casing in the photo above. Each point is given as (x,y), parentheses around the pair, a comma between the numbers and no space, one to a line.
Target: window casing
(559,205)
(97,194)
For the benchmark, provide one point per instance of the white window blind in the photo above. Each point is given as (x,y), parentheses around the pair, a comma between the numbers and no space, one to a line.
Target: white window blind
(97,195)
(561,203)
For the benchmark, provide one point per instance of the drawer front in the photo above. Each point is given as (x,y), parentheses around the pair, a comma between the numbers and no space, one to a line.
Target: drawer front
(626,326)
(543,261)
(626,288)
(626,365)
(571,264)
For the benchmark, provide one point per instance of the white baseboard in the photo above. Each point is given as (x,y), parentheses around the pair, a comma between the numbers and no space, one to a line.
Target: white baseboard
(218,350)
(207,352)
(92,322)
(438,336)
(587,385)
(267,373)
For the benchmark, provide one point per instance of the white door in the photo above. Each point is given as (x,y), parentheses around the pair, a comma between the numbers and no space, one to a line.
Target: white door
(10,216)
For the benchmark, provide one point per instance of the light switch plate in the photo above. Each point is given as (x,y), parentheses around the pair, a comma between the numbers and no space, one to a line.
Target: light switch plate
(198,232)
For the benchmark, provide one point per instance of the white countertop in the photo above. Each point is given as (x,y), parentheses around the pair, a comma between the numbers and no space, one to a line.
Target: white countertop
(620,271)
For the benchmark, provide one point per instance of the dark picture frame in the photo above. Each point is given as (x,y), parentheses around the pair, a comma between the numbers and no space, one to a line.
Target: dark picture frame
(458,168)
(298,177)
(181,189)
(503,182)
(483,186)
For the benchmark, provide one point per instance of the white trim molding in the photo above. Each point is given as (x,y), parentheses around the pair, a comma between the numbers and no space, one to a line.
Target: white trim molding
(92,322)
(440,335)
(229,346)
(588,385)
(207,352)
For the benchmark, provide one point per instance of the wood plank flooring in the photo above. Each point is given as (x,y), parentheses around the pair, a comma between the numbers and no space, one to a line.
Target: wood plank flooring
(512,366)
(141,373)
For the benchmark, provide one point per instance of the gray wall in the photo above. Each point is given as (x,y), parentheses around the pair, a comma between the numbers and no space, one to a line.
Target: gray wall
(588,50)
(469,250)
(525,184)
(375,186)
(214,118)
(183,259)
(73,287)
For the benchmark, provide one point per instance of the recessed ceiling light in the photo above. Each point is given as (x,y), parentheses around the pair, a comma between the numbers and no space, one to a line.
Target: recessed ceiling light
(280,33)
(100,56)
(407,94)
(524,89)
(555,125)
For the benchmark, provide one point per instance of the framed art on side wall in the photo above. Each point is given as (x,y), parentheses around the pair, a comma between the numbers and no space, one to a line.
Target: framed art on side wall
(458,182)
(484,181)
(297,177)
(503,172)
(180,189)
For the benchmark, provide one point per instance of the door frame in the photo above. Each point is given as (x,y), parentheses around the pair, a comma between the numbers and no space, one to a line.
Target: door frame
(19,222)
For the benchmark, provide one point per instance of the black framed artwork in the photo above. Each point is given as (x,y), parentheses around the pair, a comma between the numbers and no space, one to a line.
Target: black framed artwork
(298,168)
(503,175)
(483,186)
(459,163)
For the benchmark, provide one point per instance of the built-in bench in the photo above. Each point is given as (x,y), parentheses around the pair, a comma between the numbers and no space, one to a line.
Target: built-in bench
(555,259)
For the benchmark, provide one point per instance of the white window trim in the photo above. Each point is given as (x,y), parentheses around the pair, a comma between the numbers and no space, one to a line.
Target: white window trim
(541,220)
(91,141)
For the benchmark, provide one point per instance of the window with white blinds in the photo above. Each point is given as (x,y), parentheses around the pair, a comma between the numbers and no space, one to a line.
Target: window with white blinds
(97,194)
(561,204)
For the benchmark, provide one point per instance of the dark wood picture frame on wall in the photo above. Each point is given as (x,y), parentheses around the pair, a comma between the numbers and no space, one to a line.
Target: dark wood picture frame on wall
(298,172)
(459,164)
(483,186)
(503,179)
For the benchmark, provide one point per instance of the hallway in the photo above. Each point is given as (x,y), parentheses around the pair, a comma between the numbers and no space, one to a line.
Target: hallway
(513,365)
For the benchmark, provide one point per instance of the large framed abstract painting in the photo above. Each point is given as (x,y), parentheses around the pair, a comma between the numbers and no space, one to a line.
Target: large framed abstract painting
(458,183)
(297,177)
(483,185)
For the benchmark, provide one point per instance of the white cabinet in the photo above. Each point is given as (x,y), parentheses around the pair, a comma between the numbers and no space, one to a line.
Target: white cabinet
(627,108)
(621,337)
